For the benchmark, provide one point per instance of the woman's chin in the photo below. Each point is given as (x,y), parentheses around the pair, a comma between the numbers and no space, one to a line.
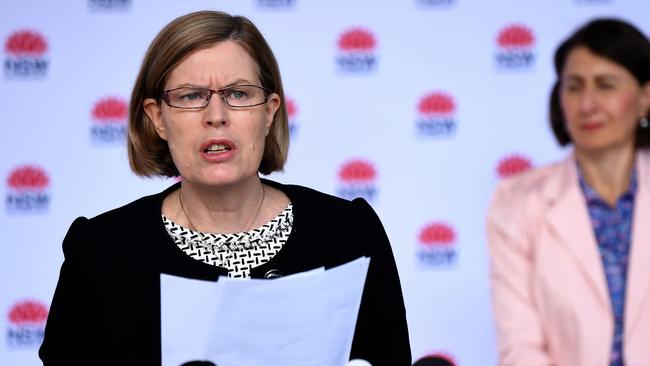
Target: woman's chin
(598,147)
(219,180)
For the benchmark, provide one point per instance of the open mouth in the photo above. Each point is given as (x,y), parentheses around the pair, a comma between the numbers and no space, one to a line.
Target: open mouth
(216,148)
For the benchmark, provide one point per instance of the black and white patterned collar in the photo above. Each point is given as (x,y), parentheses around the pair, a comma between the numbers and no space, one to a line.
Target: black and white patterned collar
(233,241)
(237,252)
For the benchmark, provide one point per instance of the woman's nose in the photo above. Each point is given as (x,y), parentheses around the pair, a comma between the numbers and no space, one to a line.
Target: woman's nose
(588,101)
(216,111)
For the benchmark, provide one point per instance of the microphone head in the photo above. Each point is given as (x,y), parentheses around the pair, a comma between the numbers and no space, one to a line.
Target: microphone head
(433,361)
(358,362)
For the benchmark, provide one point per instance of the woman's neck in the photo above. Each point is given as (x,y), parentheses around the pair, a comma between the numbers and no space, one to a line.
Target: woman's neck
(608,172)
(224,209)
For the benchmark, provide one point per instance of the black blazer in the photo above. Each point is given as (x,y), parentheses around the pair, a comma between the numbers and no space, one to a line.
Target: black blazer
(106,308)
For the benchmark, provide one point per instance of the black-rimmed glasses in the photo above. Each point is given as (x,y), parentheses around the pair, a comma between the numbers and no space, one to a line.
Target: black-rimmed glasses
(236,96)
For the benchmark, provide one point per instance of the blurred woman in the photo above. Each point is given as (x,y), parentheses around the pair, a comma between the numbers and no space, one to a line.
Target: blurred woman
(208,106)
(570,242)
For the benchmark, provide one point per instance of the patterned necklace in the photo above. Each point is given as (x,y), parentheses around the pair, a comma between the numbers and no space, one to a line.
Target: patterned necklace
(248,228)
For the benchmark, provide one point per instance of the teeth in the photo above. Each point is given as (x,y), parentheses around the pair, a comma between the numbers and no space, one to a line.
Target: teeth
(217,148)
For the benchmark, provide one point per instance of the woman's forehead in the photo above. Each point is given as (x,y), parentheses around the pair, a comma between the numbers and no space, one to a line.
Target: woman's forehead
(218,65)
(582,62)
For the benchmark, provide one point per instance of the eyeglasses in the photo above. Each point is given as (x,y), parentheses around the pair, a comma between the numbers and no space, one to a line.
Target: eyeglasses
(236,96)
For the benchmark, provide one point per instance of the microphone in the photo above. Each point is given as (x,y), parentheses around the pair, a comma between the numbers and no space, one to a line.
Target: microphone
(433,361)
(358,362)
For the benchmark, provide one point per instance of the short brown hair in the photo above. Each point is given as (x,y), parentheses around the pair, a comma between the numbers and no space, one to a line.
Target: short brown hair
(149,155)
(615,40)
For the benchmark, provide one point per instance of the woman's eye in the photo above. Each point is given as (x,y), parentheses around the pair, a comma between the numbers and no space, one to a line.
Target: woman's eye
(236,94)
(572,87)
(191,96)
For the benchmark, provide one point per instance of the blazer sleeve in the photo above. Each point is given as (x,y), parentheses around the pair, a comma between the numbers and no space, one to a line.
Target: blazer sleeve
(520,332)
(381,335)
(72,321)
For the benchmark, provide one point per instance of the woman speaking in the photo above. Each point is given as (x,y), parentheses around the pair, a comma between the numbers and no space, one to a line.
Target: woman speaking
(570,242)
(208,106)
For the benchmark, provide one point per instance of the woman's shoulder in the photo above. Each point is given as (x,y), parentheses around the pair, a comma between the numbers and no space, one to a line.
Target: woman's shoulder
(305,195)
(324,207)
(531,193)
(134,212)
(535,180)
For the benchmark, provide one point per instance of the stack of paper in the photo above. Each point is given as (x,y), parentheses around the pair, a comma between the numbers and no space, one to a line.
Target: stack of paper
(306,319)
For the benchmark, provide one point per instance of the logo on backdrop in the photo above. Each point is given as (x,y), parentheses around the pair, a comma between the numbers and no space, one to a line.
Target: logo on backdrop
(26,325)
(595,2)
(436,3)
(436,359)
(436,115)
(27,190)
(357,178)
(357,51)
(292,111)
(109,117)
(515,48)
(437,245)
(109,4)
(26,52)
(513,164)
(276,4)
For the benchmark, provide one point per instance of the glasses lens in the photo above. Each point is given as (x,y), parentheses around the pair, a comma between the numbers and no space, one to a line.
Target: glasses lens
(189,97)
(244,95)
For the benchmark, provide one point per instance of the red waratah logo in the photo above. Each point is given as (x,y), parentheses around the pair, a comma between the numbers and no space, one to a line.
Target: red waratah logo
(356,51)
(357,39)
(292,111)
(110,115)
(437,245)
(436,104)
(28,312)
(516,36)
(357,171)
(357,179)
(513,165)
(110,109)
(28,177)
(436,115)
(26,43)
(292,108)
(437,234)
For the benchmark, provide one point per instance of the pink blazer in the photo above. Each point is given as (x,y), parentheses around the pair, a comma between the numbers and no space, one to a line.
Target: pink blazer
(549,293)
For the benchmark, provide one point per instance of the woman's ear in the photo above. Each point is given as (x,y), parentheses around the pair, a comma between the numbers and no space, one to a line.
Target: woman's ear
(153,111)
(272,105)
(645,98)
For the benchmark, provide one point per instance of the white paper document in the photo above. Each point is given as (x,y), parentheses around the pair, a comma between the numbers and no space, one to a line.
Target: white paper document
(306,319)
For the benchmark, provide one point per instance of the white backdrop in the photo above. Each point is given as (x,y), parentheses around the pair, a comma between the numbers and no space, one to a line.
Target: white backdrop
(419,105)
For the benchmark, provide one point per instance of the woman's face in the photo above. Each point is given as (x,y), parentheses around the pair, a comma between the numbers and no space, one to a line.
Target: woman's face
(602,102)
(216,145)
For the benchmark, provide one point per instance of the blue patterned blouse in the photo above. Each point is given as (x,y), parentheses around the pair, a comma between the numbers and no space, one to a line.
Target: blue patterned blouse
(613,229)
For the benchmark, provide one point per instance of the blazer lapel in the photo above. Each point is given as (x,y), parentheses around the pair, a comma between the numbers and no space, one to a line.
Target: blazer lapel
(638,275)
(570,220)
